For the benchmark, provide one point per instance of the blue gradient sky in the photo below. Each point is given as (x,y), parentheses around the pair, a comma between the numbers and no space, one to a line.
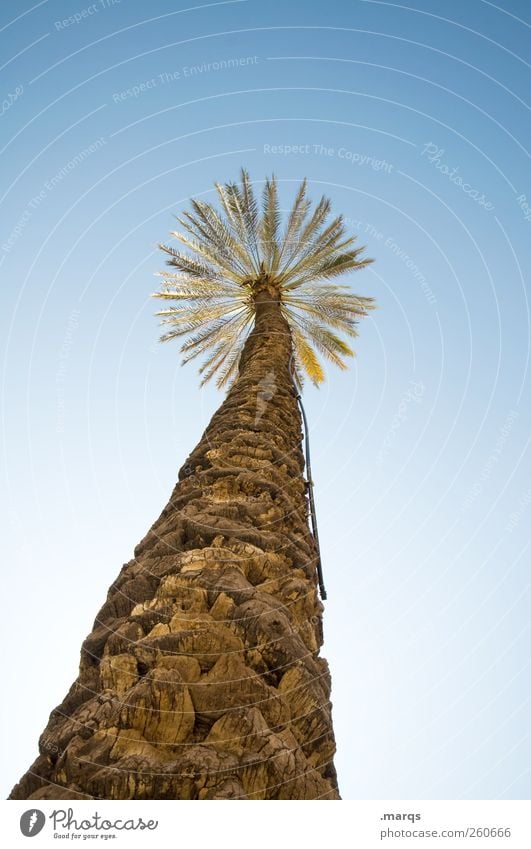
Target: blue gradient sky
(421,450)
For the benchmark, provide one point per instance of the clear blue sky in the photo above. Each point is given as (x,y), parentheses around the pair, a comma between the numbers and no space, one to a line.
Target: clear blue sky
(414,119)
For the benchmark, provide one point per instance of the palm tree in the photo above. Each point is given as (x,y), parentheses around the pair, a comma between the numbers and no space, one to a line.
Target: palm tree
(201,678)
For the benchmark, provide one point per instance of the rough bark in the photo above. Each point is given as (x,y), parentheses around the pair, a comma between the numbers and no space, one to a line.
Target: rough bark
(202,678)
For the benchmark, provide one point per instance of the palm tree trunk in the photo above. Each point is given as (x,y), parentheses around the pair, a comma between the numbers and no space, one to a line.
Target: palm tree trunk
(201,678)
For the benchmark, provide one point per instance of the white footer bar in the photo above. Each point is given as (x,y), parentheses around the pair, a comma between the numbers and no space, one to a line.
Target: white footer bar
(280,825)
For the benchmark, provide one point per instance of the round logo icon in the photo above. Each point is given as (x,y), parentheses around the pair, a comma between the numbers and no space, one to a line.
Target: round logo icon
(32,822)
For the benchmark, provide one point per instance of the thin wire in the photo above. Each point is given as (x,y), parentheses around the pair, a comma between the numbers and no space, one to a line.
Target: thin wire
(311,499)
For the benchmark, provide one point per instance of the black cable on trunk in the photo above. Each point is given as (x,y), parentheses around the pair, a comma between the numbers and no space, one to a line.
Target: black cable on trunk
(315,532)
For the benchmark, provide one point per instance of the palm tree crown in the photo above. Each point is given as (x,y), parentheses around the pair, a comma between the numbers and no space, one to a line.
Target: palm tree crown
(243,249)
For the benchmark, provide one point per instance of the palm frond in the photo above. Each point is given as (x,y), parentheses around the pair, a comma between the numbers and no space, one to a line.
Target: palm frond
(308,358)
(208,227)
(229,252)
(250,208)
(290,242)
(326,342)
(270,223)
(228,370)
(210,335)
(244,215)
(190,265)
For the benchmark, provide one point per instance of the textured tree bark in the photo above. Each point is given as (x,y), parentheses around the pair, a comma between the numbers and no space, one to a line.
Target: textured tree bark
(202,678)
